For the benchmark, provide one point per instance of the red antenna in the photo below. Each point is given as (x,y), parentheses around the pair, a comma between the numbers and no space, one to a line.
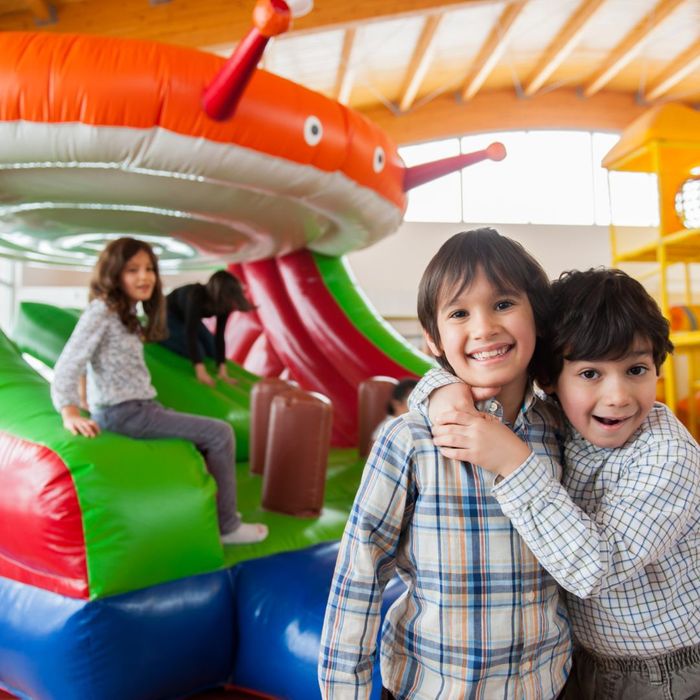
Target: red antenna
(425,172)
(270,18)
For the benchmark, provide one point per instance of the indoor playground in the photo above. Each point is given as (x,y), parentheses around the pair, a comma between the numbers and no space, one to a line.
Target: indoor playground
(184,124)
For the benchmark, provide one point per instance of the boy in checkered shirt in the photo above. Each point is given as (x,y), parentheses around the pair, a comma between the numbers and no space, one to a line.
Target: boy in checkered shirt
(621,532)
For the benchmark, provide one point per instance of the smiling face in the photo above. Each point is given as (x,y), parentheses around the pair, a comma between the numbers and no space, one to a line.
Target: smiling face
(138,277)
(488,337)
(607,400)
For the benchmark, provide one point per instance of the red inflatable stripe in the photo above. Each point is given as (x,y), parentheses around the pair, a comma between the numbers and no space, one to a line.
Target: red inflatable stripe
(307,363)
(40,520)
(339,340)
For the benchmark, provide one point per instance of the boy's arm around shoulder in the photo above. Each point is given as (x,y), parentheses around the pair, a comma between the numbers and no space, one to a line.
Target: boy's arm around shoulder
(434,379)
(366,562)
(639,519)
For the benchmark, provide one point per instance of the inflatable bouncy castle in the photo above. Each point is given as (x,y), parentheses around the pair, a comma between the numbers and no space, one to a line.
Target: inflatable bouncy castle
(113,580)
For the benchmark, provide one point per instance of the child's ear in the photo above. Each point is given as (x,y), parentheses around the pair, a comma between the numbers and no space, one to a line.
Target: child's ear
(432,345)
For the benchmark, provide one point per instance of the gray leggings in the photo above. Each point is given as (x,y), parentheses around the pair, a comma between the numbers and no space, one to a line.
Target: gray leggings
(674,676)
(212,437)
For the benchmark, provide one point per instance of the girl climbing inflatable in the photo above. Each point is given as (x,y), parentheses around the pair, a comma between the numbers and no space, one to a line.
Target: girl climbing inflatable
(108,343)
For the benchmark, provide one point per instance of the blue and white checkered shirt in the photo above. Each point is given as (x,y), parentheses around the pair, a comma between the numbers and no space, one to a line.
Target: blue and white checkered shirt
(621,533)
(480,618)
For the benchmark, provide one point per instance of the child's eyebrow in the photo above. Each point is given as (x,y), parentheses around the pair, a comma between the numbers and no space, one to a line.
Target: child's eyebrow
(509,291)
(498,291)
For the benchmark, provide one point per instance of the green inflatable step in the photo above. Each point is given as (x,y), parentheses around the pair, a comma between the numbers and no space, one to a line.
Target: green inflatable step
(148,507)
(41,330)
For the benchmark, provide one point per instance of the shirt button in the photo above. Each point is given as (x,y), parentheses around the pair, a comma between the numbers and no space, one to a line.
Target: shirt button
(493,407)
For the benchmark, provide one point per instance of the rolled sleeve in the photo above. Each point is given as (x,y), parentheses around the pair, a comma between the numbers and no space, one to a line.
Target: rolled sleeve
(433,379)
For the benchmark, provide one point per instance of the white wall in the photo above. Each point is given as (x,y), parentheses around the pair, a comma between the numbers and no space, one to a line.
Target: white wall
(9,281)
(389,271)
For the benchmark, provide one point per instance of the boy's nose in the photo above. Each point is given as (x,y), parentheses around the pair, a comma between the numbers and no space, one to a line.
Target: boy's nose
(483,325)
(483,329)
(616,393)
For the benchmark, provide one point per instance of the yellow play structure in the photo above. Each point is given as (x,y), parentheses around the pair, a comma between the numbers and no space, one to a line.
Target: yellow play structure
(666,141)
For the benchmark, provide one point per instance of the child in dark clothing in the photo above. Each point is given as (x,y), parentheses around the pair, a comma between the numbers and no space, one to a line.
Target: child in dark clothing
(189,337)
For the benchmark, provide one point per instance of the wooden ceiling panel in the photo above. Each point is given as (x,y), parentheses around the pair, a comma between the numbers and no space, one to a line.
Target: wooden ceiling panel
(462,33)
(687,91)
(201,23)
(611,23)
(420,61)
(345,76)
(492,50)
(685,65)
(501,110)
(631,45)
(539,24)
(562,45)
(388,45)
(314,60)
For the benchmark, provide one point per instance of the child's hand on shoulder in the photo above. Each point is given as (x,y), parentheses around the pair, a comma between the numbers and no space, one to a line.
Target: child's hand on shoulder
(479,438)
(449,399)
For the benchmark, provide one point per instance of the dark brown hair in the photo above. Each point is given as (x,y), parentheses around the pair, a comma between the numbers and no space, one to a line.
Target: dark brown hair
(401,392)
(596,315)
(226,293)
(506,265)
(105,284)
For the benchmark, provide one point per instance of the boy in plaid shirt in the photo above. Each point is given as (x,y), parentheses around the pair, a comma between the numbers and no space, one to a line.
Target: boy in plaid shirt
(479,618)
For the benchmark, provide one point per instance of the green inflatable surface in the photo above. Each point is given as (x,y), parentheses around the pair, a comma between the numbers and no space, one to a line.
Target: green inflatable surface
(148,505)
(41,330)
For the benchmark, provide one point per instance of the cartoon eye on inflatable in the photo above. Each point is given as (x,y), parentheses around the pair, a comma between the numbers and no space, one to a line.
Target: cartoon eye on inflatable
(313,130)
(379,159)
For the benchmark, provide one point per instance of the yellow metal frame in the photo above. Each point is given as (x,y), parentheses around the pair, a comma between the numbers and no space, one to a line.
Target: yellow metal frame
(666,141)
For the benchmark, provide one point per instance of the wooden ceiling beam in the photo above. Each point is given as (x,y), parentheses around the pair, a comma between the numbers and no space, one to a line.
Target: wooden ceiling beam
(682,66)
(630,46)
(205,23)
(346,75)
(420,61)
(42,11)
(492,50)
(561,45)
(502,110)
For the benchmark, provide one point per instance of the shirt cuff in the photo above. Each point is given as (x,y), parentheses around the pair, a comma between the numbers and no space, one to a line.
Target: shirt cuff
(433,379)
(530,481)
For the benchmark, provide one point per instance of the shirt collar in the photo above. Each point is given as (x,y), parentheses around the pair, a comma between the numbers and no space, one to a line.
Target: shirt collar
(495,408)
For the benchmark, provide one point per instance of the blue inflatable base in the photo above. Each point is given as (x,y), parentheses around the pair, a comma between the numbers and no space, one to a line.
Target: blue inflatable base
(257,625)
(279,604)
(162,642)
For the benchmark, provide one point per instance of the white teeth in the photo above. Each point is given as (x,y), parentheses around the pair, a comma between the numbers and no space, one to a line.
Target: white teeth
(489,354)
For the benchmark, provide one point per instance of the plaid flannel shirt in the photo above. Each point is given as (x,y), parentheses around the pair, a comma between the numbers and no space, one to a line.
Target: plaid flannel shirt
(480,618)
